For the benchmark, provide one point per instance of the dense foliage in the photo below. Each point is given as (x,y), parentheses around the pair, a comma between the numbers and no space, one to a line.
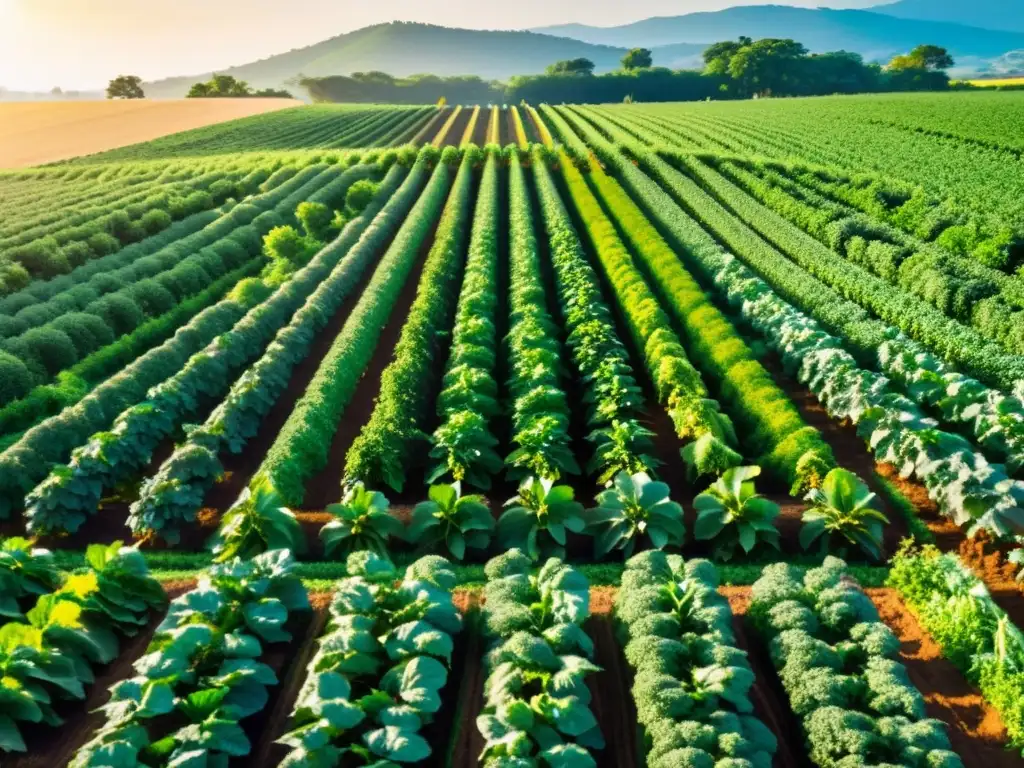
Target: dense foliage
(691,682)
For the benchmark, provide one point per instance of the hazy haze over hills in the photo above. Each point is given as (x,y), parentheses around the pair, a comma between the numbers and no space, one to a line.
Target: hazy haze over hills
(991,14)
(872,34)
(402,49)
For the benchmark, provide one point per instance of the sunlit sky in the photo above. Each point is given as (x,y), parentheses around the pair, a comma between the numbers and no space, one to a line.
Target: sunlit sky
(81,44)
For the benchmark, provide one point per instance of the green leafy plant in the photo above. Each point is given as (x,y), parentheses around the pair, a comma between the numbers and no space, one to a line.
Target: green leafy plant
(841,508)
(26,572)
(376,679)
(708,455)
(633,507)
(451,519)
(362,521)
(731,512)
(537,519)
(690,676)
(536,700)
(256,523)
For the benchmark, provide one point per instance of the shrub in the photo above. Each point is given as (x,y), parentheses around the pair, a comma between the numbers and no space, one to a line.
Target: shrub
(41,258)
(119,312)
(87,332)
(105,283)
(77,253)
(359,196)
(11,326)
(152,297)
(315,219)
(38,315)
(155,221)
(53,349)
(15,378)
(103,244)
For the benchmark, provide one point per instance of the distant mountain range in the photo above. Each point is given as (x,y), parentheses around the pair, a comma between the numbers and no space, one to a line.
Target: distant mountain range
(1005,15)
(875,35)
(403,49)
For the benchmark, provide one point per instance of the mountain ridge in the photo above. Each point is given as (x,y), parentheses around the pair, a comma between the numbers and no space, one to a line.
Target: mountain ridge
(405,48)
(874,35)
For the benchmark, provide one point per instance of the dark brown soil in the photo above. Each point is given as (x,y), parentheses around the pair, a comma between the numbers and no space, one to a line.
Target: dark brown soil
(325,487)
(239,468)
(50,747)
(771,704)
(508,128)
(465,743)
(458,128)
(975,729)
(432,126)
(273,721)
(481,128)
(612,698)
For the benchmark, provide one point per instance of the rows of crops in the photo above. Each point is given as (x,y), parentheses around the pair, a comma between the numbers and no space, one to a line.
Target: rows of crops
(698,375)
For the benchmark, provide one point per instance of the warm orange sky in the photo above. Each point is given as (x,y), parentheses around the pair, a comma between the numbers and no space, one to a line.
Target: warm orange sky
(81,44)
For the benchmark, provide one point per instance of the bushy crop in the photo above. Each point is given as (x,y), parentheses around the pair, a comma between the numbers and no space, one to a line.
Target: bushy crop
(837,663)
(49,652)
(691,683)
(386,446)
(612,394)
(974,633)
(536,700)
(302,445)
(464,444)
(380,666)
(174,494)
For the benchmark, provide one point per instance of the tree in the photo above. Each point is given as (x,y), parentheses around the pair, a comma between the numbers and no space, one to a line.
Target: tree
(717,56)
(578,67)
(126,87)
(638,58)
(767,66)
(932,58)
(220,87)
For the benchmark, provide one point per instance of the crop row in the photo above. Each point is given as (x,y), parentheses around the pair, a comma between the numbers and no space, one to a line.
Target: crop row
(400,420)
(302,446)
(174,494)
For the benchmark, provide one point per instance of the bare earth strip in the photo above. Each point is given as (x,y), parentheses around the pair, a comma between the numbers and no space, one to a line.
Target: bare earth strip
(32,133)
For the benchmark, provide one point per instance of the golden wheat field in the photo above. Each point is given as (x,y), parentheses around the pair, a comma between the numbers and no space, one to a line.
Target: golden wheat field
(32,133)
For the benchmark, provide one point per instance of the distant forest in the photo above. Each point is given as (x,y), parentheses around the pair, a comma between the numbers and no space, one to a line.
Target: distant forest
(739,69)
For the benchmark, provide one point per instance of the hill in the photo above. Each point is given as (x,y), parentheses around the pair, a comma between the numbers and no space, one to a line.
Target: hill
(32,133)
(403,49)
(989,14)
(875,35)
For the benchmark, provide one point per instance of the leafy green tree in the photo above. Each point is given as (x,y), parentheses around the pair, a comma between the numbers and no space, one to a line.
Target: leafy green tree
(767,66)
(717,56)
(579,67)
(932,58)
(126,87)
(638,58)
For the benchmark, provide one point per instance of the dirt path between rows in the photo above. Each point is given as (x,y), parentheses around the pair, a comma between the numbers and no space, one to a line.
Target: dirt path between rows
(975,729)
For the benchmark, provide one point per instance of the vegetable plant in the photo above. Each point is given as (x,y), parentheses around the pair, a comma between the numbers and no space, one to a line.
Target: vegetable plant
(377,676)
(450,518)
(689,675)
(731,513)
(256,523)
(536,700)
(632,507)
(537,519)
(841,508)
(362,520)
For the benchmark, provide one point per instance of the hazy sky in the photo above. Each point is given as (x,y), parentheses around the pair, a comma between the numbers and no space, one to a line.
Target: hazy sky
(81,44)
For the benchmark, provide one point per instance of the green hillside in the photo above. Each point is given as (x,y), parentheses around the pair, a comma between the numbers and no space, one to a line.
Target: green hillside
(403,49)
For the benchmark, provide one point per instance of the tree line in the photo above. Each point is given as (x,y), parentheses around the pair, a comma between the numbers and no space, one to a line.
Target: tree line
(217,87)
(735,69)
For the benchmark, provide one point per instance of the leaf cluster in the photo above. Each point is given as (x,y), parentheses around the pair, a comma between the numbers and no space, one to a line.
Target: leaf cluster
(691,683)
(536,700)
(379,669)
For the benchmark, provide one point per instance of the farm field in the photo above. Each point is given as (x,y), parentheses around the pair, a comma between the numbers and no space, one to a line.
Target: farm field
(665,435)
(34,133)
